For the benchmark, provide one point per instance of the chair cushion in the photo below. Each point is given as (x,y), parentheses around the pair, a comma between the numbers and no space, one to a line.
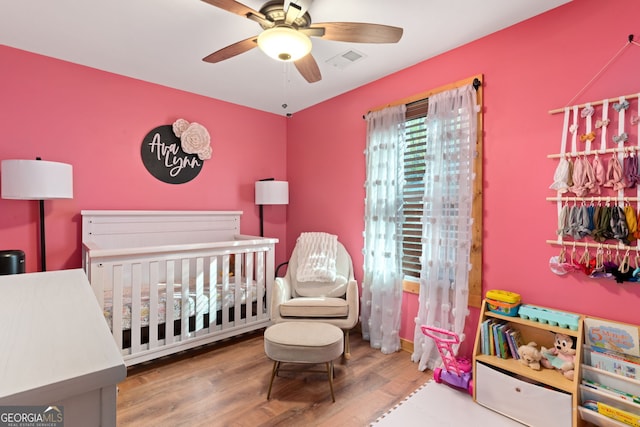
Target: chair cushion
(314,289)
(337,288)
(314,307)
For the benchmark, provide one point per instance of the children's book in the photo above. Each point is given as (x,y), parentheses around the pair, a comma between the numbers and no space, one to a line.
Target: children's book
(502,338)
(612,336)
(484,336)
(613,363)
(611,391)
(621,415)
(513,343)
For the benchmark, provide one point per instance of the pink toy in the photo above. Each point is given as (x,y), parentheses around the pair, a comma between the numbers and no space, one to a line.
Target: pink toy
(457,371)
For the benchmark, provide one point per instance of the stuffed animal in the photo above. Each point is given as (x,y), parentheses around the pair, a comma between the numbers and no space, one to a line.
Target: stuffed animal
(561,356)
(530,355)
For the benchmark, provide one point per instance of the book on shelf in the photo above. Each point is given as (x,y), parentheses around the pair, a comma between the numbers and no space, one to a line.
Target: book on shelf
(513,351)
(503,346)
(614,336)
(613,362)
(518,340)
(612,391)
(618,414)
(515,340)
(484,337)
(616,354)
(496,344)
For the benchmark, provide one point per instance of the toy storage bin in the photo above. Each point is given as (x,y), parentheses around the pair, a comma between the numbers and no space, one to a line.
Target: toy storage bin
(503,296)
(505,308)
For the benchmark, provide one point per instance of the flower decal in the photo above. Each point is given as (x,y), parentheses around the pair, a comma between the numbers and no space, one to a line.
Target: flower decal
(179,126)
(194,138)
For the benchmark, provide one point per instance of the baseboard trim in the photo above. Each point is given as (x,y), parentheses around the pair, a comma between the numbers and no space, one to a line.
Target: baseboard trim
(406,345)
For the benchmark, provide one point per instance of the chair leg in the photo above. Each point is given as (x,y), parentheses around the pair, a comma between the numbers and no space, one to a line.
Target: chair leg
(330,374)
(347,346)
(274,371)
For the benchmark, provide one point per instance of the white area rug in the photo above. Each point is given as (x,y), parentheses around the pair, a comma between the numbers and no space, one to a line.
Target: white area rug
(439,405)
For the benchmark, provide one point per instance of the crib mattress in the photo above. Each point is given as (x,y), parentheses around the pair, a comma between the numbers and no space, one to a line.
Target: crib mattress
(197,304)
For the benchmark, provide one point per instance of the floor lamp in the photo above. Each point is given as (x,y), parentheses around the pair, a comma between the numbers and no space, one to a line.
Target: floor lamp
(37,180)
(271,192)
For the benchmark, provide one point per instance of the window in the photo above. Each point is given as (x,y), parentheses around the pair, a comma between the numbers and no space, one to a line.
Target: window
(414,167)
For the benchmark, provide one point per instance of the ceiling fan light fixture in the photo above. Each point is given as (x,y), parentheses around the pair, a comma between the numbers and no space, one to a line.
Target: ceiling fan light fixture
(284,43)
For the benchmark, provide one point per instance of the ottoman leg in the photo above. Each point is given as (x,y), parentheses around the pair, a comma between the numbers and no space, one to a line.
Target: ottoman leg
(330,373)
(274,371)
(347,346)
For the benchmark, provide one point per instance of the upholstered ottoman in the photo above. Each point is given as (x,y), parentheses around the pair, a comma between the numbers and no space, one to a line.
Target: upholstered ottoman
(303,342)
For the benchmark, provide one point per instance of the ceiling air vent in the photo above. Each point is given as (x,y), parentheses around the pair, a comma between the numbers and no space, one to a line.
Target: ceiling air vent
(346,58)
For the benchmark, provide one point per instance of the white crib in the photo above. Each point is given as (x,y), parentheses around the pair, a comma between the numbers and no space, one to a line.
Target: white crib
(168,281)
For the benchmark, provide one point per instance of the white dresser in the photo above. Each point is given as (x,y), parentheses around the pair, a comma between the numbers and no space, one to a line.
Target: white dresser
(56,348)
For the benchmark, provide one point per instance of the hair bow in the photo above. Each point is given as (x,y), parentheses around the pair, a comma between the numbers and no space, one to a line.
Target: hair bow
(587,111)
(602,123)
(621,105)
(588,137)
(621,138)
(634,120)
(573,128)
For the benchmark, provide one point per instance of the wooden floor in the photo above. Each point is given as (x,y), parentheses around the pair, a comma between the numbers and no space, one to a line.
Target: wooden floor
(226,385)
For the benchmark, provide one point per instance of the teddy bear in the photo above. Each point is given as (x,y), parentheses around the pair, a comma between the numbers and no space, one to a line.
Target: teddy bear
(530,355)
(561,356)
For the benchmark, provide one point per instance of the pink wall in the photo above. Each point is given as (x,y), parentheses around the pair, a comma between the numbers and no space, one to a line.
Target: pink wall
(96,121)
(529,69)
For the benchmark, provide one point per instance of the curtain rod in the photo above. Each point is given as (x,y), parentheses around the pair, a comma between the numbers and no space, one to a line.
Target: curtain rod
(476,81)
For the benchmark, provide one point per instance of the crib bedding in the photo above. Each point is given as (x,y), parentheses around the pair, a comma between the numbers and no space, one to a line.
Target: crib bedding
(197,304)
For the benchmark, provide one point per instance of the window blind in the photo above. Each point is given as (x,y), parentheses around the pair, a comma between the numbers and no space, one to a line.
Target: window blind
(414,169)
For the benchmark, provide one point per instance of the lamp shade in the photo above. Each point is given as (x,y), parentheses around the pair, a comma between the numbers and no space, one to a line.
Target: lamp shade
(272,193)
(36,180)
(284,43)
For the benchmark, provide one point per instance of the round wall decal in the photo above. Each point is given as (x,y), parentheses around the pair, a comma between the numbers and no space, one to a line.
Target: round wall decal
(164,158)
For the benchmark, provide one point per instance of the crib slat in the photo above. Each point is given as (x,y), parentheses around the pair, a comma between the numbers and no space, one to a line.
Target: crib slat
(151,276)
(169,331)
(260,279)
(116,301)
(199,294)
(249,285)
(224,305)
(184,307)
(213,292)
(135,289)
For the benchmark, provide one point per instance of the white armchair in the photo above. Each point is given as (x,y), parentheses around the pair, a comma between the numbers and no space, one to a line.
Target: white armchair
(336,302)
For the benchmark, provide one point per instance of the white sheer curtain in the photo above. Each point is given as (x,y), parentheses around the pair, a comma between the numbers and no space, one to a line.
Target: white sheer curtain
(451,125)
(382,283)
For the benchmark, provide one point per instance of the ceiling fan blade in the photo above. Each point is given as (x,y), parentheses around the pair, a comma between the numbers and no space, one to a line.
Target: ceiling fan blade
(312,32)
(356,32)
(240,9)
(308,67)
(232,50)
(234,7)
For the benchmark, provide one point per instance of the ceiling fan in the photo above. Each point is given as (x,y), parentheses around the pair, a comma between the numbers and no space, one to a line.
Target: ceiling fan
(287,30)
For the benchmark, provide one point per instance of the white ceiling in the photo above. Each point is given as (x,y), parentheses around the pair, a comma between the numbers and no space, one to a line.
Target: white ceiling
(164,41)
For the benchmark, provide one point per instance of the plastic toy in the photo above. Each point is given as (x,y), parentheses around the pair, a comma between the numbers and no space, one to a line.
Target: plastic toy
(457,370)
